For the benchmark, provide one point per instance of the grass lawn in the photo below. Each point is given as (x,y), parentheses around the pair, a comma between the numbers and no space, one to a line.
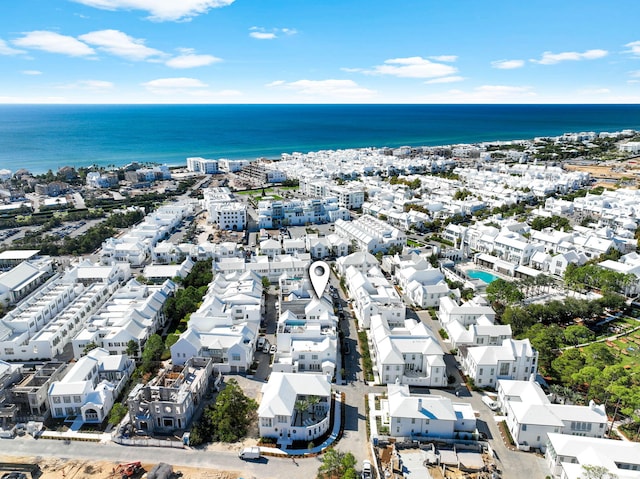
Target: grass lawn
(414,244)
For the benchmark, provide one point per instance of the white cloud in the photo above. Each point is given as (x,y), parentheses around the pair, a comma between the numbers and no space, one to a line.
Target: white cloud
(260,33)
(160,10)
(444,58)
(507,64)
(54,43)
(635,74)
(120,44)
(31,72)
(347,89)
(634,48)
(451,79)
(93,85)
(263,35)
(549,58)
(7,50)
(413,67)
(188,59)
(179,85)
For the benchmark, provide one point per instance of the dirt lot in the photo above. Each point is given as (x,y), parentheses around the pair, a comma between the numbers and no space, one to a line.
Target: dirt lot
(613,172)
(76,469)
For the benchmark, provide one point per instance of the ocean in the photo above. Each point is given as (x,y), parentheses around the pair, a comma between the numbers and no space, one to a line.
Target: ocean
(43,137)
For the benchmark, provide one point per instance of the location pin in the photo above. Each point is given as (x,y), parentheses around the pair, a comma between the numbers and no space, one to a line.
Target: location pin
(319,276)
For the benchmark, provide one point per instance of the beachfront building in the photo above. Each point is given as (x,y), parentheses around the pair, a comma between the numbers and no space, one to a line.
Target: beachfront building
(167,404)
(530,416)
(295,407)
(420,416)
(513,359)
(406,353)
(371,234)
(202,165)
(89,389)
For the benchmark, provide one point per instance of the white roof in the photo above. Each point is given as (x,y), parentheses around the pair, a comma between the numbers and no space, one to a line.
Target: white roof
(280,393)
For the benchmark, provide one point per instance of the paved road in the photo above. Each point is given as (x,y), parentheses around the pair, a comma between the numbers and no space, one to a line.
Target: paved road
(213,458)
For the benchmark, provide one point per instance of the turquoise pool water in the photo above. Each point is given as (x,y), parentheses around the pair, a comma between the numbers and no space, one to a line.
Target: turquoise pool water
(481,275)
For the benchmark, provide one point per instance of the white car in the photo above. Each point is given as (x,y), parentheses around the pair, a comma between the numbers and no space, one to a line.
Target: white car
(273,349)
(366,470)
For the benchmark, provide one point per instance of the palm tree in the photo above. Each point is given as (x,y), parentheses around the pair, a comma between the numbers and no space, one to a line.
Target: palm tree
(300,406)
(311,402)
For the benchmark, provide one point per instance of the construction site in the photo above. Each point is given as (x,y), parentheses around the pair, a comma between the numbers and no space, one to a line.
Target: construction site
(412,460)
(55,468)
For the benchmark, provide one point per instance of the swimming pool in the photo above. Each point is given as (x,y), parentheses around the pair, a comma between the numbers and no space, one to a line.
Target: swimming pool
(481,275)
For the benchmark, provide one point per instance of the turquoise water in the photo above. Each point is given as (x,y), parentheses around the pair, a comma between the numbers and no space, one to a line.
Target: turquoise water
(43,137)
(481,275)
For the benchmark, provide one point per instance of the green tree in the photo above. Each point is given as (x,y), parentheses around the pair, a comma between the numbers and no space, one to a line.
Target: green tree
(596,472)
(578,334)
(266,284)
(132,348)
(117,413)
(336,464)
(567,365)
(152,352)
(598,355)
(545,339)
(228,419)
(504,292)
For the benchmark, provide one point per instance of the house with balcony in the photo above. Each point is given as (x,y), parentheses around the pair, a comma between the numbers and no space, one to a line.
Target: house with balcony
(407,354)
(373,294)
(530,416)
(483,333)
(422,416)
(89,389)
(513,359)
(295,407)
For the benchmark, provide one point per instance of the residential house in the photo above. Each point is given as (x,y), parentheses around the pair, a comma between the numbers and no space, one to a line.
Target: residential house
(420,416)
(514,359)
(295,407)
(406,354)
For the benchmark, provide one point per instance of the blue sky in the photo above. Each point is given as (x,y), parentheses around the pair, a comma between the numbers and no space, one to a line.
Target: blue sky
(319,51)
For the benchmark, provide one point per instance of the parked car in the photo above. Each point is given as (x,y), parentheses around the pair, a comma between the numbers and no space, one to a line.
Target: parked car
(250,453)
(273,349)
(366,470)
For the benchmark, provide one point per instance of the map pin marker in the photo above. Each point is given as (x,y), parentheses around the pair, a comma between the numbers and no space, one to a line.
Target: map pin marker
(319,276)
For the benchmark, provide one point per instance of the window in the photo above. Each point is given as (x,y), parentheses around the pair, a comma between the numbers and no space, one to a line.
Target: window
(235,357)
(56,399)
(66,399)
(524,427)
(77,399)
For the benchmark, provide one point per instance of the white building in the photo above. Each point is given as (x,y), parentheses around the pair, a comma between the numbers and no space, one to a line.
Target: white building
(565,455)
(530,416)
(514,359)
(90,387)
(224,210)
(202,165)
(407,354)
(427,416)
(295,407)
(371,234)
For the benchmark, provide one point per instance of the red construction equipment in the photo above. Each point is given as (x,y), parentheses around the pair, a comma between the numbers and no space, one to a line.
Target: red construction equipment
(129,470)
